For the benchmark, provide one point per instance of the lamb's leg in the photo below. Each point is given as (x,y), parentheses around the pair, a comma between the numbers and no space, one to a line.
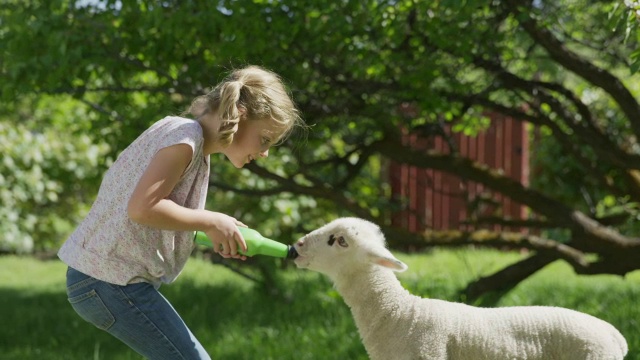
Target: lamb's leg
(602,357)
(598,357)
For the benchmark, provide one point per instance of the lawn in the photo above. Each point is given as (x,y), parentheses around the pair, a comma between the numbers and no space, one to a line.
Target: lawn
(235,319)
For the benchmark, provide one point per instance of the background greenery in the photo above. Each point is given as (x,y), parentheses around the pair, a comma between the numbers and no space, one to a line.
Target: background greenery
(234,319)
(81,79)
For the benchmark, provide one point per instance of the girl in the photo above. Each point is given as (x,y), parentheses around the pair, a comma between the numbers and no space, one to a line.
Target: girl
(139,231)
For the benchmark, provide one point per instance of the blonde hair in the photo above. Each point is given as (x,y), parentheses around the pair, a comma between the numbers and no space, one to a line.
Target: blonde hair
(260,92)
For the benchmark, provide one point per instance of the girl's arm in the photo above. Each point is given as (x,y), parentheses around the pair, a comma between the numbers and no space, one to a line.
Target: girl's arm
(149,205)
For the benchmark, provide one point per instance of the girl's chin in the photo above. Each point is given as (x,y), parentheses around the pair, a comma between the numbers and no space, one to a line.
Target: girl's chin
(238,163)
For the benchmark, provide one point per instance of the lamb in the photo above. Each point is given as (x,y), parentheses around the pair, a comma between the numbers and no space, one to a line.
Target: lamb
(395,325)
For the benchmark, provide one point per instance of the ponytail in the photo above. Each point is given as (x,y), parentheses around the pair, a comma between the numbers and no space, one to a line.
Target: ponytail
(259,92)
(228,111)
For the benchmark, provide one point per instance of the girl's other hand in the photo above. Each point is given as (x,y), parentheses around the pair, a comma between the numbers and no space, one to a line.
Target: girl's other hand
(225,236)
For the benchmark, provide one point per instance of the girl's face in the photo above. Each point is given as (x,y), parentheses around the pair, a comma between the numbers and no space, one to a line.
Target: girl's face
(252,141)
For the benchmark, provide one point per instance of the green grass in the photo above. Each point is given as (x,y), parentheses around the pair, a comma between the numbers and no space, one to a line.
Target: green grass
(235,320)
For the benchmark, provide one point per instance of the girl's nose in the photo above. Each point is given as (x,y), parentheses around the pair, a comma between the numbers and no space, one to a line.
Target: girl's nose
(264,153)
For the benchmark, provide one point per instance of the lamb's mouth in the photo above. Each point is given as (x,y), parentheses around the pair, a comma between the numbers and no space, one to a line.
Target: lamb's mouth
(301,261)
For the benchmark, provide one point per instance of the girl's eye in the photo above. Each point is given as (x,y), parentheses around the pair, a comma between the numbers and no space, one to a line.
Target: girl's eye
(266,141)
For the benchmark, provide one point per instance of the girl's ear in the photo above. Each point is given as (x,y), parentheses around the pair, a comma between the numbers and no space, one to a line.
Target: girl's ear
(234,129)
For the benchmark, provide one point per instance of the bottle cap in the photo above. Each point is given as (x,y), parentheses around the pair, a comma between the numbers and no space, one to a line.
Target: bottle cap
(292,253)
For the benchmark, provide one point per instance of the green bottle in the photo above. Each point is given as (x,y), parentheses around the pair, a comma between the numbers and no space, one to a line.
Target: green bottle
(256,244)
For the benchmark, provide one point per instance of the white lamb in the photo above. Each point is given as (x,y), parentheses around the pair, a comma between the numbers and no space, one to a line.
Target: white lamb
(396,325)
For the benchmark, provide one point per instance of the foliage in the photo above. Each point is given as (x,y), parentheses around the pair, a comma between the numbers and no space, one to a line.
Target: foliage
(234,320)
(47,167)
(627,18)
(364,73)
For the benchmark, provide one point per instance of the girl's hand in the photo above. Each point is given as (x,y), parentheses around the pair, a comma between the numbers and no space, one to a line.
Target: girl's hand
(225,236)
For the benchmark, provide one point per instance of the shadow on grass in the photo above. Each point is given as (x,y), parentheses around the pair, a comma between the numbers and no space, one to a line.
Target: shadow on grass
(308,320)
(231,321)
(42,325)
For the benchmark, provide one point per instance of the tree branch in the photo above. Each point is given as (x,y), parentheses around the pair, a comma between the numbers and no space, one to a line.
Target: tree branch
(505,239)
(507,278)
(573,62)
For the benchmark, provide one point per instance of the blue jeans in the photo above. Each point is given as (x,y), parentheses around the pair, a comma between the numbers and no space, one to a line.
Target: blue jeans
(137,314)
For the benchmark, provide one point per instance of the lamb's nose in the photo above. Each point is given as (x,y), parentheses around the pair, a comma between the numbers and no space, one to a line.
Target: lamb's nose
(300,242)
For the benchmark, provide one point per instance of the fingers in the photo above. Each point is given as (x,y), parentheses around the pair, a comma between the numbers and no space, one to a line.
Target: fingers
(226,249)
(232,248)
(238,256)
(238,222)
(240,240)
(228,254)
(229,249)
(231,242)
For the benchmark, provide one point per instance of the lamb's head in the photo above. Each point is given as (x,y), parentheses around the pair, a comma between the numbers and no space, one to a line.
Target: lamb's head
(345,244)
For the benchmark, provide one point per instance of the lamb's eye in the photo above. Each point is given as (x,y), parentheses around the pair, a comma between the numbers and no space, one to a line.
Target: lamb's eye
(342,242)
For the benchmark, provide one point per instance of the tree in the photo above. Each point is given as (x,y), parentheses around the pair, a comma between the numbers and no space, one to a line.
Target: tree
(628,16)
(352,66)
(46,180)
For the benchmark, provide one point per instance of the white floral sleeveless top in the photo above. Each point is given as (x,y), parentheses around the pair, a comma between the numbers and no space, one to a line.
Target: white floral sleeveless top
(107,245)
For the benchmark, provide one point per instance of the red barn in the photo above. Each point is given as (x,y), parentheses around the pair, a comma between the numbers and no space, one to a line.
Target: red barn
(440,201)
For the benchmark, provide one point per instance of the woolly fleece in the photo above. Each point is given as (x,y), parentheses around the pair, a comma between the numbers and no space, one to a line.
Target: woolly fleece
(395,324)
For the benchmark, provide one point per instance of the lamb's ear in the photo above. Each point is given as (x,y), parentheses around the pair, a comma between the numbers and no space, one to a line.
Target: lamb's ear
(386,259)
